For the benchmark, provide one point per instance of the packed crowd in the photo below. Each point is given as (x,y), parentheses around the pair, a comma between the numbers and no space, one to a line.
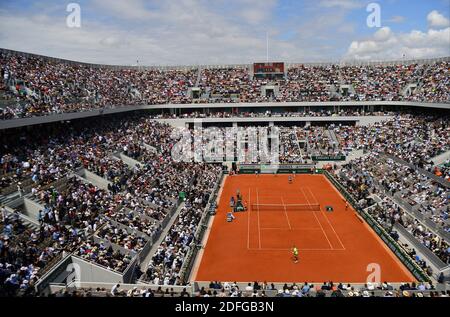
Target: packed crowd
(373,174)
(165,266)
(386,82)
(34,85)
(309,83)
(413,188)
(388,213)
(414,139)
(107,226)
(291,151)
(76,213)
(323,141)
(24,253)
(39,86)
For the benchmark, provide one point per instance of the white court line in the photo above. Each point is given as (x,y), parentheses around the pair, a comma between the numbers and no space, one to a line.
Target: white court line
(259,226)
(337,236)
(317,219)
(248,219)
(282,249)
(285,212)
(290,228)
(315,199)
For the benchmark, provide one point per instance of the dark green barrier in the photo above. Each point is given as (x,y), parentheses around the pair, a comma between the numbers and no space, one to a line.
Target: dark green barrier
(297,171)
(248,171)
(280,169)
(387,239)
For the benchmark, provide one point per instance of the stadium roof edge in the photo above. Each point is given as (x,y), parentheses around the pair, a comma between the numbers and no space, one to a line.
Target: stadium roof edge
(15,123)
(180,67)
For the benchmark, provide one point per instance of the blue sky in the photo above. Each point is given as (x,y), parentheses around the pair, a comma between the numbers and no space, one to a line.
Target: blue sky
(177,32)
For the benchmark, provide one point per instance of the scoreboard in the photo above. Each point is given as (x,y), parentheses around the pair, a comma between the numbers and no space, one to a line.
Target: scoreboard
(268,68)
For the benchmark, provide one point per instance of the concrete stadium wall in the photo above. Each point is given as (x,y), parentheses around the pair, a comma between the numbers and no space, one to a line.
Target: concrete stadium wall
(90,272)
(92,178)
(127,160)
(28,209)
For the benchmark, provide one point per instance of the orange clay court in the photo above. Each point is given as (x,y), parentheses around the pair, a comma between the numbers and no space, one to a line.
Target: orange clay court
(256,246)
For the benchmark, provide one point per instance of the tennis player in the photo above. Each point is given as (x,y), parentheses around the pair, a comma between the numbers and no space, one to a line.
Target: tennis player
(232,202)
(295,254)
(290,179)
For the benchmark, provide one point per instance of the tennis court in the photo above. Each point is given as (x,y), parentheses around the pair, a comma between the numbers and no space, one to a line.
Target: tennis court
(294,214)
(256,246)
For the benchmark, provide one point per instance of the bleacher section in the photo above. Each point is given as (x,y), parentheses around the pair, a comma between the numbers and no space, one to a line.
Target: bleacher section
(44,86)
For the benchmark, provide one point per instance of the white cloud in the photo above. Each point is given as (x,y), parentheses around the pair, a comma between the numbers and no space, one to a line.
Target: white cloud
(430,38)
(129,9)
(437,20)
(385,44)
(397,19)
(343,4)
(255,11)
(180,32)
(175,32)
(346,28)
(113,41)
(382,34)
(324,25)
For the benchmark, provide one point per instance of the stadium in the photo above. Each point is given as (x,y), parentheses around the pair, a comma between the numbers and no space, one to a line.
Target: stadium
(265,179)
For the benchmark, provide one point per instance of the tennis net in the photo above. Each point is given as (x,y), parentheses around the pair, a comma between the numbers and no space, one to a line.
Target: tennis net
(300,207)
